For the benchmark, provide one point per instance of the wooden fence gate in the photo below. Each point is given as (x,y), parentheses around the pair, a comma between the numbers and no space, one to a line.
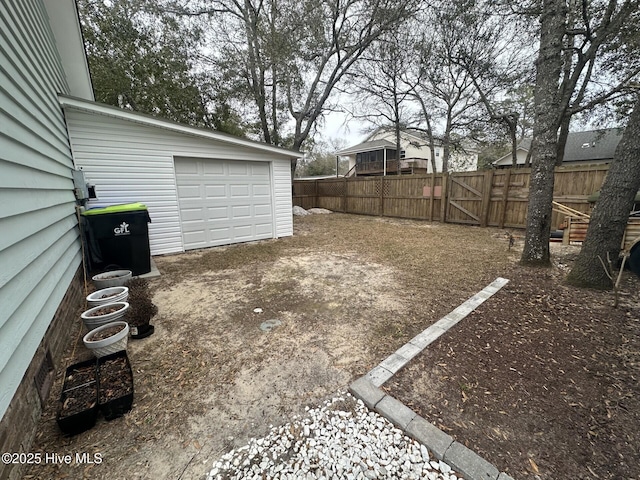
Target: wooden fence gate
(468,199)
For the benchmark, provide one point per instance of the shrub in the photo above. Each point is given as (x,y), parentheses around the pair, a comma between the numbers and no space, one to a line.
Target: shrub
(141,308)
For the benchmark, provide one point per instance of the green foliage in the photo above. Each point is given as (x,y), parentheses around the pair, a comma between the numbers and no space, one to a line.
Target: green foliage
(143,60)
(491,151)
(321,160)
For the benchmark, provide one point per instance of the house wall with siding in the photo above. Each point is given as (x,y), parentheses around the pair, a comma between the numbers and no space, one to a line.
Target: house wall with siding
(416,147)
(39,245)
(507,161)
(131,161)
(283,198)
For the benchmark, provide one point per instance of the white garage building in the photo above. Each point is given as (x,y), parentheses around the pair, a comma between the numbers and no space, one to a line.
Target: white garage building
(202,188)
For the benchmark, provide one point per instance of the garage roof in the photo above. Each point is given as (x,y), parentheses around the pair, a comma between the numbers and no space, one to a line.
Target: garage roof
(109,110)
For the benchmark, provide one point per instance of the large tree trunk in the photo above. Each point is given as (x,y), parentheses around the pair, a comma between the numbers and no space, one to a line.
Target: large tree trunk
(563,135)
(611,212)
(545,134)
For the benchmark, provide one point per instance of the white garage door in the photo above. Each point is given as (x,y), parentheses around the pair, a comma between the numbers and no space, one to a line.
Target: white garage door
(223,201)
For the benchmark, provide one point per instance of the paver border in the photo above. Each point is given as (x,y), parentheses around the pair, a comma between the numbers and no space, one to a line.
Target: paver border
(367,388)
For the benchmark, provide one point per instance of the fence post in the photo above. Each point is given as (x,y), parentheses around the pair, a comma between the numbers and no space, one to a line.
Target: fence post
(381,195)
(486,197)
(344,196)
(315,193)
(431,197)
(505,197)
(443,196)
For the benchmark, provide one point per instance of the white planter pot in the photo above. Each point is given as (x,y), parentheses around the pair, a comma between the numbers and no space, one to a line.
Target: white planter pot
(114,294)
(92,321)
(112,344)
(115,278)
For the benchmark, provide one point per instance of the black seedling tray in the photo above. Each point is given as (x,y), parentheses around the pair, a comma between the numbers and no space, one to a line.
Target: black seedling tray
(114,407)
(77,389)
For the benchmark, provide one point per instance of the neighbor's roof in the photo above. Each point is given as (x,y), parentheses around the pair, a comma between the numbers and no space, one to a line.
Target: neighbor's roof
(588,146)
(145,119)
(367,147)
(592,145)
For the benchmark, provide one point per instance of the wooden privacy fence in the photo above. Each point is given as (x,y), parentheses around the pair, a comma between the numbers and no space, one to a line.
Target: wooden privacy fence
(496,198)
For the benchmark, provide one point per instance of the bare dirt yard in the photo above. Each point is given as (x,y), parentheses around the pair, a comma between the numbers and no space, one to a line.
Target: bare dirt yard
(343,293)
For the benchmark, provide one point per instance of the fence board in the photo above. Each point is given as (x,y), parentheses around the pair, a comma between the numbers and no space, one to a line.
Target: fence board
(497,198)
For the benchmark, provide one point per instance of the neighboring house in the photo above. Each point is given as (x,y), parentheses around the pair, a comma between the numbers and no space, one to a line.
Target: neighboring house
(377,155)
(202,188)
(593,146)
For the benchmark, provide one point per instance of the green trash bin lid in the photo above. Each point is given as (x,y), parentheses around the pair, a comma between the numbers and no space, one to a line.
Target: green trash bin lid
(125,207)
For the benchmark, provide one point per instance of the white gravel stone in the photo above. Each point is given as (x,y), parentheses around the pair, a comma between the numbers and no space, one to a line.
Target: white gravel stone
(444,468)
(327,443)
(300,211)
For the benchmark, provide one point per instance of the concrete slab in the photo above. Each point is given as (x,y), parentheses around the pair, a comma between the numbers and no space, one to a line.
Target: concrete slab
(378,375)
(363,389)
(408,351)
(153,273)
(395,411)
(496,285)
(470,464)
(449,320)
(427,336)
(394,362)
(504,476)
(430,436)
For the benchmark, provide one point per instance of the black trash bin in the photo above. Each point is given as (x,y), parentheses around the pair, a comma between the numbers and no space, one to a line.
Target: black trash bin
(118,236)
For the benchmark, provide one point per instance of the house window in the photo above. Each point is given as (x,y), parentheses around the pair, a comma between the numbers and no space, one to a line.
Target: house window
(403,154)
(437,154)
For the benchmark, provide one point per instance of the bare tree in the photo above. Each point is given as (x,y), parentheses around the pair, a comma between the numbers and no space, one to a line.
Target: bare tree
(290,55)
(496,58)
(442,88)
(378,85)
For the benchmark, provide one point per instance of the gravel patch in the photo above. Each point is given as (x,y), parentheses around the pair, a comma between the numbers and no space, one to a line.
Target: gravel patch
(340,439)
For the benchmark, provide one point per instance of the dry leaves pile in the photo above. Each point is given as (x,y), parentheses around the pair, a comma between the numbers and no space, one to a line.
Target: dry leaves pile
(543,379)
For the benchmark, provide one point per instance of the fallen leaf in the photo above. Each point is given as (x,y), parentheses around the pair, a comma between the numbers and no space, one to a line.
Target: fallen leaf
(534,466)
(197,444)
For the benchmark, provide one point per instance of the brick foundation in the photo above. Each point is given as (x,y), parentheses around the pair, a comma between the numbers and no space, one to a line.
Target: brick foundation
(18,426)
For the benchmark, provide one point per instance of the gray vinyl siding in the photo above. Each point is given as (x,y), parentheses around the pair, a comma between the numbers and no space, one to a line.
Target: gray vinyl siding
(39,246)
(130,161)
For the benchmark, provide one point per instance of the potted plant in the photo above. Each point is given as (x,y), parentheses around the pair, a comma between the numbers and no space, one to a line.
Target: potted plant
(141,308)
(114,278)
(103,314)
(79,399)
(108,295)
(115,379)
(107,339)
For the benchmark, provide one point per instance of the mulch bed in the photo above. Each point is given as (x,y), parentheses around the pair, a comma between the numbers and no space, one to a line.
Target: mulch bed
(106,333)
(116,380)
(543,380)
